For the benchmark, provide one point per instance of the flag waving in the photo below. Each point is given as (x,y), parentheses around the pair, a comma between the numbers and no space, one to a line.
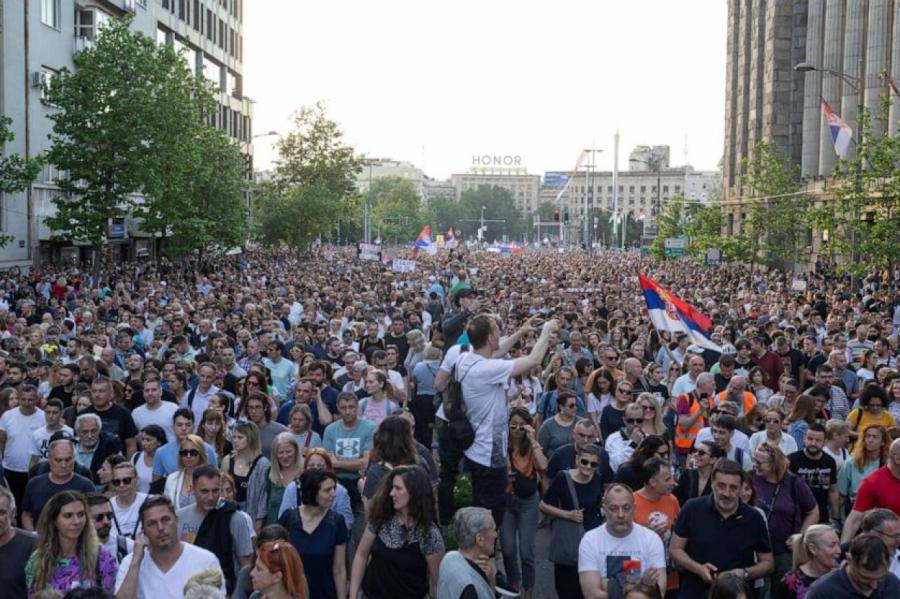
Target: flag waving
(423,241)
(669,312)
(450,239)
(841,133)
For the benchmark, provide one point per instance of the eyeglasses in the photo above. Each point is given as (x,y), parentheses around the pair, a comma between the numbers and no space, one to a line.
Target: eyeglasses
(588,463)
(625,391)
(773,421)
(103,516)
(634,420)
(118,482)
(571,405)
(193,453)
(515,427)
(650,408)
(702,452)
(251,383)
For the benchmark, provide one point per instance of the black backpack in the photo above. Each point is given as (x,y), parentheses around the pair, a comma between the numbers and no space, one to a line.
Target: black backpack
(460,431)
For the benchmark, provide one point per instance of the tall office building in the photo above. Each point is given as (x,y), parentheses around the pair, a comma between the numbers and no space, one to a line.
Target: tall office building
(38,39)
(851,43)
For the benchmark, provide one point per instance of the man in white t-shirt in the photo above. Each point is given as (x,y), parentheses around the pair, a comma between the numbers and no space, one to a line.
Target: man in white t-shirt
(197,399)
(613,553)
(17,427)
(155,410)
(483,380)
(40,439)
(160,564)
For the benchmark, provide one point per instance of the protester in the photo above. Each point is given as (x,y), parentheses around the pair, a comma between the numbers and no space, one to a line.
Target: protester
(16,546)
(696,479)
(278,572)
(815,554)
(126,500)
(286,465)
(104,519)
(179,485)
(318,459)
(61,477)
(214,432)
(818,471)
(865,573)
(152,438)
(880,489)
(865,459)
(248,467)
(470,571)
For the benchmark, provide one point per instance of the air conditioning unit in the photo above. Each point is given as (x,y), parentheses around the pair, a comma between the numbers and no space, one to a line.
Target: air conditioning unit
(38,79)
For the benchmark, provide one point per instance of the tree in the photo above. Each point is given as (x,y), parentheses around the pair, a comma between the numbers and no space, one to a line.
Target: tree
(397,209)
(776,224)
(313,185)
(499,205)
(120,128)
(16,173)
(862,219)
(213,218)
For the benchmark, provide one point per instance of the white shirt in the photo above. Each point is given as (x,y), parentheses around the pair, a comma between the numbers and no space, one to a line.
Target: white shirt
(112,546)
(40,440)
(199,405)
(619,449)
(483,382)
(154,584)
(683,384)
(161,416)
(19,431)
(127,517)
(738,439)
(787,445)
(641,545)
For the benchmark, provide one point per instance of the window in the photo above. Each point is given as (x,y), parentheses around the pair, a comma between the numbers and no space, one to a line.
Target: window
(181,9)
(198,15)
(213,72)
(48,76)
(643,189)
(678,189)
(50,10)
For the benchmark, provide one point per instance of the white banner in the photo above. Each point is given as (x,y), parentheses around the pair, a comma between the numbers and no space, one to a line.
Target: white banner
(401,265)
(369,251)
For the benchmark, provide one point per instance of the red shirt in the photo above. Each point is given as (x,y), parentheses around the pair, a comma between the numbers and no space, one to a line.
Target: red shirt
(879,489)
(771,365)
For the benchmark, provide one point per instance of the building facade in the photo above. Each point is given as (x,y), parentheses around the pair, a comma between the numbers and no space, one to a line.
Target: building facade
(38,40)
(767,99)
(523,188)
(378,168)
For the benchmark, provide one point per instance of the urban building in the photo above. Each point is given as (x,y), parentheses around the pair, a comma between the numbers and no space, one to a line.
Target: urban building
(434,189)
(39,39)
(648,158)
(378,168)
(523,188)
(847,46)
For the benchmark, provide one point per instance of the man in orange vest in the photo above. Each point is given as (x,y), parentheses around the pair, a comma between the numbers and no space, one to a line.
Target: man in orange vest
(736,391)
(692,412)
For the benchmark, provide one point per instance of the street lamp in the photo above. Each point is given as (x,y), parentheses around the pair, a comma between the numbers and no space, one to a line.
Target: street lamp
(588,200)
(856,84)
(657,205)
(481,227)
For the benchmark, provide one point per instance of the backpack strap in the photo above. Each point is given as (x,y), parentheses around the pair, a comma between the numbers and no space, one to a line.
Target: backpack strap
(191,396)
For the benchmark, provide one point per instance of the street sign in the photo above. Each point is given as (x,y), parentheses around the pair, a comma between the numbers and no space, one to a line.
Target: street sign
(675,246)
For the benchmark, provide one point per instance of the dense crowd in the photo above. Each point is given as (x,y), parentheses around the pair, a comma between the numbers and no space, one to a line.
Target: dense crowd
(271,425)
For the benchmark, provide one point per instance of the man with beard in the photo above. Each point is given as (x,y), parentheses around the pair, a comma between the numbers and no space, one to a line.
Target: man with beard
(101,513)
(819,471)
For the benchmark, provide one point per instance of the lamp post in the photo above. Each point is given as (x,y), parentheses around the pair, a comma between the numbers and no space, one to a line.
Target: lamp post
(588,201)
(856,84)
(252,178)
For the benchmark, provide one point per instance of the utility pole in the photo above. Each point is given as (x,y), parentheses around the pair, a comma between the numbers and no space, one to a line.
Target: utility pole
(589,201)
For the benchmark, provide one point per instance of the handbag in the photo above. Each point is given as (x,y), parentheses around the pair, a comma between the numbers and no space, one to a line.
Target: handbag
(565,535)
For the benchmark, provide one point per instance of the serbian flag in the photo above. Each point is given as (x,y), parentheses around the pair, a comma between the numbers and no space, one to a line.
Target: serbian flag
(841,133)
(423,241)
(669,312)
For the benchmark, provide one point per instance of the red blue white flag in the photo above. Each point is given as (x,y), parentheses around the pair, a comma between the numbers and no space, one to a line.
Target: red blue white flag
(424,242)
(841,133)
(669,312)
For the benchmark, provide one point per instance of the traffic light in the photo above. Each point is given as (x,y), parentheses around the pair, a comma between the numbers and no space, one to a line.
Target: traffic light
(566,218)
(556,214)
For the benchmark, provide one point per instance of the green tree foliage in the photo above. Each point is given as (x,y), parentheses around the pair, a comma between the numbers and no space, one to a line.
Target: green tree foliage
(863,218)
(445,213)
(122,126)
(499,205)
(397,210)
(313,184)
(214,218)
(701,225)
(776,225)
(16,172)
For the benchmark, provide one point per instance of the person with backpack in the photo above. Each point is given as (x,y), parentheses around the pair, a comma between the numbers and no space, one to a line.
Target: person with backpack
(378,405)
(104,518)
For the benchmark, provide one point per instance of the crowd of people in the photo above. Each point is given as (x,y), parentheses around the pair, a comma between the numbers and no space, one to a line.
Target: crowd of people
(321,427)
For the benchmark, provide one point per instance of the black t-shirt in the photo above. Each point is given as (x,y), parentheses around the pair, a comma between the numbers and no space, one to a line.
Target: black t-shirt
(401,343)
(116,421)
(590,496)
(14,555)
(59,392)
(611,420)
(40,489)
(819,476)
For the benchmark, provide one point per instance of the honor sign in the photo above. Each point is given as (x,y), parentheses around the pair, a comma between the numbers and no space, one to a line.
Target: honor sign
(506,164)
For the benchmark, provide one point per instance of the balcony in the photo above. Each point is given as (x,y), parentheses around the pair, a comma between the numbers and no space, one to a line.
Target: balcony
(83,43)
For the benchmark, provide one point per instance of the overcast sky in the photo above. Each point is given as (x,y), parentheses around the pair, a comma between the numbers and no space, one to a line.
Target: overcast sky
(435,83)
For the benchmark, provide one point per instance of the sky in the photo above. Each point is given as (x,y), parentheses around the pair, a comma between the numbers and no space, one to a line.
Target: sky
(436,83)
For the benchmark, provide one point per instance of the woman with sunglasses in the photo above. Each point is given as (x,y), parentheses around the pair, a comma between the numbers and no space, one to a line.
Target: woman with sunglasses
(278,573)
(525,465)
(787,500)
(612,418)
(653,420)
(695,479)
(632,472)
(126,500)
(179,485)
(773,434)
(558,503)
(753,421)
(557,431)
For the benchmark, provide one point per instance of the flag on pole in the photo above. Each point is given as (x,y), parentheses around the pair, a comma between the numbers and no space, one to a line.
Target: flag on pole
(669,312)
(423,241)
(841,133)
(449,239)
(574,172)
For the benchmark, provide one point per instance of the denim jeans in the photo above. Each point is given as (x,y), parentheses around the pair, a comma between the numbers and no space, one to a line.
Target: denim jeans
(517,539)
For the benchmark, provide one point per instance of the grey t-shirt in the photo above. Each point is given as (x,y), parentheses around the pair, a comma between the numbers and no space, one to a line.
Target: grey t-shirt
(553,435)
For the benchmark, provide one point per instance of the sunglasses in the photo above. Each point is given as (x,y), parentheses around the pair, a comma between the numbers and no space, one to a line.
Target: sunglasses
(118,482)
(588,463)
(102,517)
(702,452)
(634,420)
(772,421)
(516,427)
(189,453)
(651,408)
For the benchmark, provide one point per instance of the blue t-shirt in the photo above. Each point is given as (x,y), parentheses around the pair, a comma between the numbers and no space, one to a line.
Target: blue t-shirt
(317,549)
(165,461)
(282,373)
(348,444)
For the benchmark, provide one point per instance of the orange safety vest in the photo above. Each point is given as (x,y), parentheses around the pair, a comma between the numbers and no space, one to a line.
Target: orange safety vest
(749,402)
(684,438)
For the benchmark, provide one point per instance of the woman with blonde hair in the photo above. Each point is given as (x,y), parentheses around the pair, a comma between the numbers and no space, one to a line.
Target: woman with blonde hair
(286,467)
(248,466)
(179,484)
(68,554)
(300,425)
(868,455)
(815,554)
(653,421)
